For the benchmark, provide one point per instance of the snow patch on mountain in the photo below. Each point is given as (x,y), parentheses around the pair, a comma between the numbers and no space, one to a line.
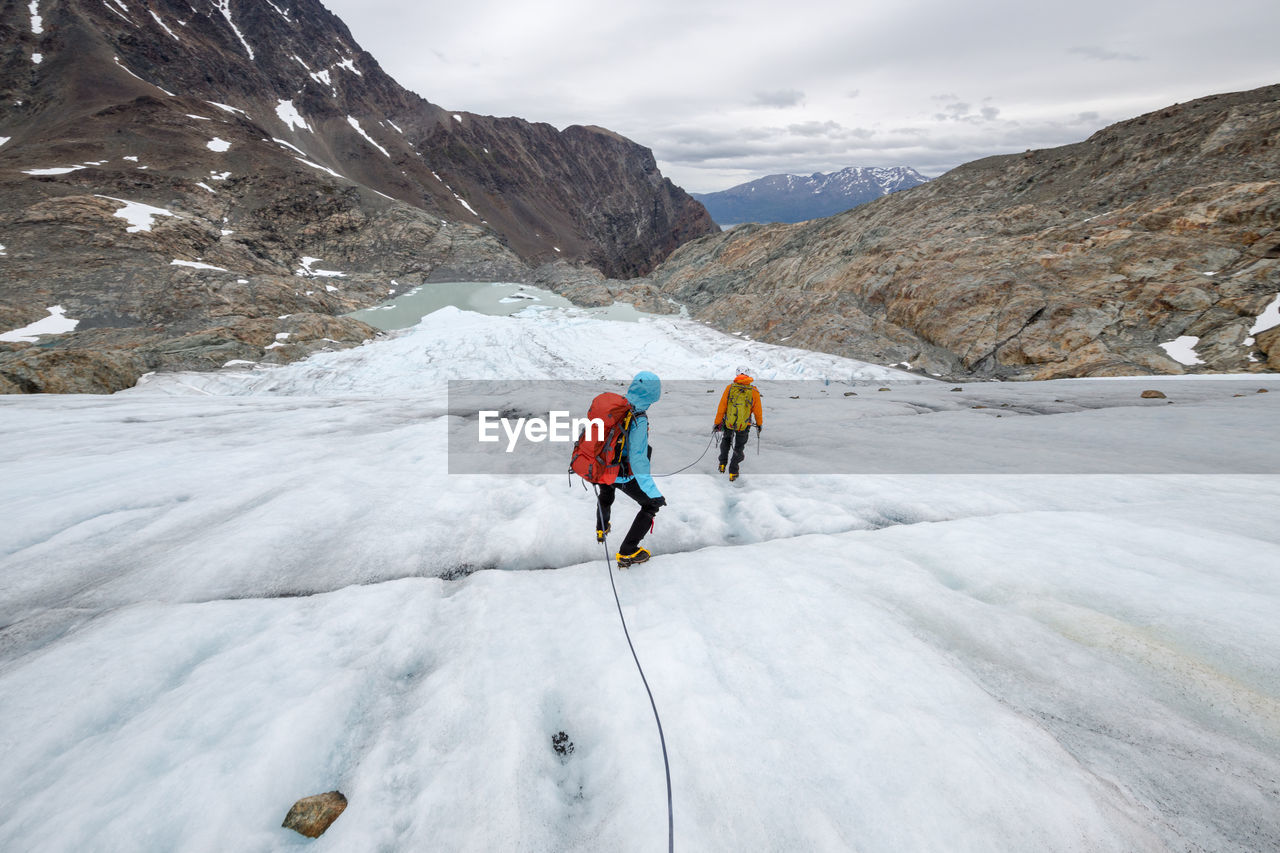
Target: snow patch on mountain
(113,10)
(305,269)
(139,216)
(197,265)
(126,70)
(224,6)
(1269,317)
(324,169)
(56,323)
(161,22)
(228,108)
(281,12)
(289,114)
(52,170)
(289,145)
(360,130)
(1183,350)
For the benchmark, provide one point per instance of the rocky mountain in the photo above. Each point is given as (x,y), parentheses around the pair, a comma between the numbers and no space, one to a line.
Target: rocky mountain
(1150,247)
(196,182)
(796,198)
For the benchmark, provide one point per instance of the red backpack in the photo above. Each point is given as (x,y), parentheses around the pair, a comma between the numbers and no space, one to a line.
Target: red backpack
(598,459)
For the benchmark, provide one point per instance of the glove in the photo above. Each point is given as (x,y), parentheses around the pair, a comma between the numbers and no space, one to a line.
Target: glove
(717,428)
(758,428)
(660,502)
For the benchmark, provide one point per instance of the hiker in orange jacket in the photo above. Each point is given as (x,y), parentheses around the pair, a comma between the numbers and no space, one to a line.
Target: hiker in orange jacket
(739,404)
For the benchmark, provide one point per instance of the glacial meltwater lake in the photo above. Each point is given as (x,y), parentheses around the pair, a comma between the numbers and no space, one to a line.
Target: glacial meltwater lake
(498,298)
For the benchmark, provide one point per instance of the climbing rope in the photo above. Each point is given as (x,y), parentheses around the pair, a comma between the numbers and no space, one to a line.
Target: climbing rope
(694,462)
(608,562)
(666,765)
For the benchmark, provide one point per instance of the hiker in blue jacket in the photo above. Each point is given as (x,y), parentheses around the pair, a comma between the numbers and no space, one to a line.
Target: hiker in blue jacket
(635,479)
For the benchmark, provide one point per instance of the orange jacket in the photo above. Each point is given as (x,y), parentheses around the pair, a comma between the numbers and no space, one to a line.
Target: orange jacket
(741,379)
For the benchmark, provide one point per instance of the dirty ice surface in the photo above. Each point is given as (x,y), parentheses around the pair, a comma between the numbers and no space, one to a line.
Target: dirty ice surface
(222,592)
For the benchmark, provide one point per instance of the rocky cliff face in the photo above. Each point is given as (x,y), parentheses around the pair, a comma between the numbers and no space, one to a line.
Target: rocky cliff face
(582,194)
(187,180)
(1074,261)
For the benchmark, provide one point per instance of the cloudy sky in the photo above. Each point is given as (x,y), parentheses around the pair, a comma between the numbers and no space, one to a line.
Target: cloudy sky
(725,92)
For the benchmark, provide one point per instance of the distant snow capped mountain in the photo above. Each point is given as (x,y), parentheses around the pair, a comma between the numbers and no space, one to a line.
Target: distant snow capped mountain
(795,198)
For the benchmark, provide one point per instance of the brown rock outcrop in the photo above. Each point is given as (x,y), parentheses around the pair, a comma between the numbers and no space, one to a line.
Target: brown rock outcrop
(588,288)
(1268,343)
(311,816)
(1074,261)
(103,361)
(70,371)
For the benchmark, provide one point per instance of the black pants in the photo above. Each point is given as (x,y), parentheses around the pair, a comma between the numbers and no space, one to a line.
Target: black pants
(737,438)
(644,518)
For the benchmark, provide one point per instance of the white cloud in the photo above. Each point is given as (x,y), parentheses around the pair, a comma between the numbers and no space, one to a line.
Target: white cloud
(780,98)
(1104,55)
(665,71)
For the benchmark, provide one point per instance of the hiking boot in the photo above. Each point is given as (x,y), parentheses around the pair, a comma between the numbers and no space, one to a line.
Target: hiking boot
(600,534)
(732,477)
(641,555)
(721,469)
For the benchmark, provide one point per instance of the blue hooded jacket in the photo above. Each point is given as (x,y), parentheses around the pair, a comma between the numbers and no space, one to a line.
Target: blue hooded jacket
(645,390)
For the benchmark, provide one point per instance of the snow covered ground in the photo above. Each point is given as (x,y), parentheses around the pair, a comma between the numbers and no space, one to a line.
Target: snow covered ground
(223,592)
